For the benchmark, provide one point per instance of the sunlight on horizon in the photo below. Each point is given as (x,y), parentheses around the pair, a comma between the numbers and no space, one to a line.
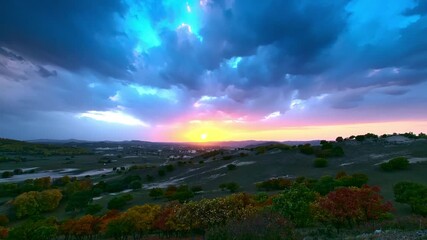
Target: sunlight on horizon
(210,132)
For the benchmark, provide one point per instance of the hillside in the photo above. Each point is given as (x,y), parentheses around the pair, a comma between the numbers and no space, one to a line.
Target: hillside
(127,175)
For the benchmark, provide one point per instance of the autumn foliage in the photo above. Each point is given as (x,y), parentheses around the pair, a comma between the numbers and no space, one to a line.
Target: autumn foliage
(351,205)
(235,215)
(32,203)
(4,232)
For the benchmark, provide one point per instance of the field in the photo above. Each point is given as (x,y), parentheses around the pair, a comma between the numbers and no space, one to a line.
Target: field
(199,166)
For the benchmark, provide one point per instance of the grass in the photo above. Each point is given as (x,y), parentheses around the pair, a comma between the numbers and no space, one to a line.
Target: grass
(359,158)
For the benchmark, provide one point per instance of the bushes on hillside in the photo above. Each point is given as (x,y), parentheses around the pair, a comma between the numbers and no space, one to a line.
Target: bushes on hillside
(320,162)
(231,167)
(93,208)
(399,163)
(4,220)
(263,149)
(327,183)
(230,186)
(346,207)
(37,229)
(156,192)
(294,204)
(237,216)
(120,201)
(306,149)
(274,184)
(79,200)
(413,194)
(32,203)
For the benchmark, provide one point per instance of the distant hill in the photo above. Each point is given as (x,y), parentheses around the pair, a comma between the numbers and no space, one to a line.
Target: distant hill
(28,148)
(224,144)
(57,141)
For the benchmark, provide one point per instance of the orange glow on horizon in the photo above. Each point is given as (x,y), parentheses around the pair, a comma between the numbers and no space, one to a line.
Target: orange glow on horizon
(210,131)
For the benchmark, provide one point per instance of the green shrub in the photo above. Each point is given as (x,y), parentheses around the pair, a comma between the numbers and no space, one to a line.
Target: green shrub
(294,204)
(135,184)
(4,220)
(320,162)
(149,178)
(181,193)
(306,149)
(156,193)
(7,174)
(119,202)
(231,167)
(399,163)
(231,186)
(196,189)
(170,168)
(93,209)
(161,172)
(413,194)
(274,184)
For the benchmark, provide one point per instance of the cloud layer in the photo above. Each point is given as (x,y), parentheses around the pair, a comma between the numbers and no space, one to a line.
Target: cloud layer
(156,69)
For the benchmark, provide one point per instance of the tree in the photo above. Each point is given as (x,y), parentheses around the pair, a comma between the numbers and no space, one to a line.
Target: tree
(320,162)
(135,184)
(399,163)
(231,167)
(50,199)
(360,138)
(350,205)
(32,203)
(156,192)
(208,213)
(165,218)
(355,180)
(170,168)
(161,172)
(274,184)
(7,174)
(325,185)
(93,208)
(118,229)
(4,232)
(294,204)
(231,186)
(413,194)
(119,202)
(41,229)
(339,139)
(306,149)
(141,218)
(86,226)
(79,200)
(4,220)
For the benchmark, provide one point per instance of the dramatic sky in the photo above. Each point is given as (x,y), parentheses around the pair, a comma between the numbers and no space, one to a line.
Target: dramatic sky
(177,70)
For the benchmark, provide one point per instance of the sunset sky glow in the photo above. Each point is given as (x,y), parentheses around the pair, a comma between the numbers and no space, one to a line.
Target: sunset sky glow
(211,70)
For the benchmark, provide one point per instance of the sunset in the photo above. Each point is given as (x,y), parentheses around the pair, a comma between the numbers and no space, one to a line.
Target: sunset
(213,119)
(231,70)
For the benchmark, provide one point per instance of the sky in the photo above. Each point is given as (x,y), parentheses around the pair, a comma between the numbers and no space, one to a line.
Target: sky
(211,70)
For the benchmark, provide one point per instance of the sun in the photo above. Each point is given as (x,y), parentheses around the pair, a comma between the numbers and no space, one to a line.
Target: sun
(203,136)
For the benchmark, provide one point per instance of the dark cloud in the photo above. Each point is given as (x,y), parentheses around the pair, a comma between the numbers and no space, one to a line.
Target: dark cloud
(75,35)
(276,37)
(300,28)
(420,8)
(304,59)
(43,72)
(10,55)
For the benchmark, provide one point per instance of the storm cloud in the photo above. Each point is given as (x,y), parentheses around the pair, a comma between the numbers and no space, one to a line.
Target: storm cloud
(170,63)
